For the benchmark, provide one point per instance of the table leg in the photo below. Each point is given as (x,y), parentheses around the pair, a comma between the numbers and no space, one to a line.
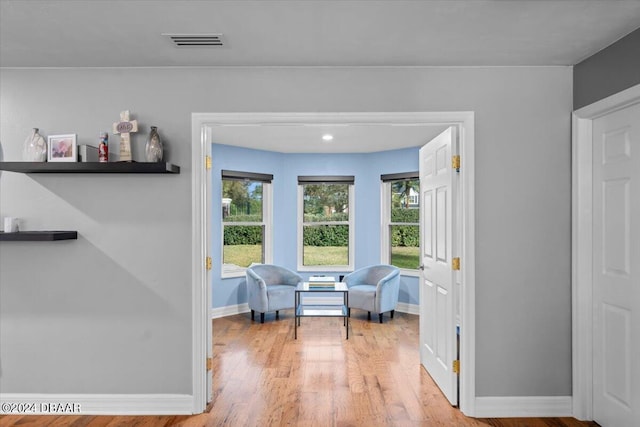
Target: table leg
(346,297)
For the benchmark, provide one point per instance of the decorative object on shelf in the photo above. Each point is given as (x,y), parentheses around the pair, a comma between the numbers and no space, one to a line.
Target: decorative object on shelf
(103,148)
(11,224)
(153,150)
(35,148)
(125,128)
(62,148)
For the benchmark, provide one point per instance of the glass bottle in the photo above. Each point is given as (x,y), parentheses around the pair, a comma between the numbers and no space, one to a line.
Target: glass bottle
(153,150)
(35,147)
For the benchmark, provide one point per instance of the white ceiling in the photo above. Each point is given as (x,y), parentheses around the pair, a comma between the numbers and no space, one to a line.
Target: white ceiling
(347,138)
(127,33)
(392,33)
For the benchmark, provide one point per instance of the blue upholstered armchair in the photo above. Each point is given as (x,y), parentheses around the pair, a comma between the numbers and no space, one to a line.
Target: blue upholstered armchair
(374,288)
(271,288)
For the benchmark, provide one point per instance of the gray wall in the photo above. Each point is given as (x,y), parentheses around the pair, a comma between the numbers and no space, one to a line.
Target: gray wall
(110,313)
(609,71)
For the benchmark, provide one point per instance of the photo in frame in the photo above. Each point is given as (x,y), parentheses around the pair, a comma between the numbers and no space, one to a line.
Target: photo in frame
(62,148)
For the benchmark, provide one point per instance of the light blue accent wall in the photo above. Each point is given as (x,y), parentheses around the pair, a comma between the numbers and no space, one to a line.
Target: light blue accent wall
(285,167)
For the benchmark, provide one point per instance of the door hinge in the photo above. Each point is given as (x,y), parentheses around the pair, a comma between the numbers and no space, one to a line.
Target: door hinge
(455,264)
(207,162)
(455,162)
(209,363)
(456,366)
(207,263)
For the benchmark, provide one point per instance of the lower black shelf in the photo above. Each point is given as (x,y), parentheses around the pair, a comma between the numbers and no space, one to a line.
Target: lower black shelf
(38,236)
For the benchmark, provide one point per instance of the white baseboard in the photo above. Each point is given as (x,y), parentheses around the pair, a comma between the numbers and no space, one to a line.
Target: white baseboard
(96,404)
(229,310)
(404,307)
(523,406)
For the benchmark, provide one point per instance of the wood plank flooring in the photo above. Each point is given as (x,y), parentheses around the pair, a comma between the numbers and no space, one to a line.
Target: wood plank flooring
(263,377)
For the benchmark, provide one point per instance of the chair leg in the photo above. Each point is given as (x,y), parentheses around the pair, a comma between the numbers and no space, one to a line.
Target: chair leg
(380,317)
(349,312)
(368,315)
(261,317)
(392,311)
(252,314)
(277,315)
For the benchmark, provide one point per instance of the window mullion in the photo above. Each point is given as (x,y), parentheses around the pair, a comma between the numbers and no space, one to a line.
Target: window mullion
(311,224)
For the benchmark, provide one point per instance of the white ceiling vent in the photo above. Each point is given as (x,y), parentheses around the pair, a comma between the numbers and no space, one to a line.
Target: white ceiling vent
(197,40)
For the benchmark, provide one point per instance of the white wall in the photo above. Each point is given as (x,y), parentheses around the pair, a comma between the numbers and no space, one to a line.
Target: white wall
(110,313)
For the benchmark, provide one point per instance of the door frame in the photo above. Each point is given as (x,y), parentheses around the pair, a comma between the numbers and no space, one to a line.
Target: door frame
(582,245)
(201,138)
(200,279)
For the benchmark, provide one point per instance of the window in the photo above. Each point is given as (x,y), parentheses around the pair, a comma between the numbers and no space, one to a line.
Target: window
(401,221)
(325,223)
(246,221)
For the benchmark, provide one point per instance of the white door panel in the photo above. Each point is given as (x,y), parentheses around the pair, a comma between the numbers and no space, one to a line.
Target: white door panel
(438,185)
(428,332)
(616,265)
(427,222)
(615,223)
(441,317)
(441,225)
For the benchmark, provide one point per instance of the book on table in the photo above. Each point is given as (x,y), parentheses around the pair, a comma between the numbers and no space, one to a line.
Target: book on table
(322,281)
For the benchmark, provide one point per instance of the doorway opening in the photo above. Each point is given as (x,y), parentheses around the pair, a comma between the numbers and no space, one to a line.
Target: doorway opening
(203,126)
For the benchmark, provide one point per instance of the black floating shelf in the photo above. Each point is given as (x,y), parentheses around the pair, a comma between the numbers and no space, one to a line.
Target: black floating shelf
(89,167)
(38,236)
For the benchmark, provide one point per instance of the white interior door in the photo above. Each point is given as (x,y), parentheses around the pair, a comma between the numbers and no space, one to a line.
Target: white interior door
(616,268)
(438,185)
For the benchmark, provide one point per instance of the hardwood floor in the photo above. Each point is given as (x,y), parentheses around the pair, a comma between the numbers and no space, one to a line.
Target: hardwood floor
(263,377)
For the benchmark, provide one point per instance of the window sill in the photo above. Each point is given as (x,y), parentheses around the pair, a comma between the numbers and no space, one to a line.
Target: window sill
(326,268)
(233,273)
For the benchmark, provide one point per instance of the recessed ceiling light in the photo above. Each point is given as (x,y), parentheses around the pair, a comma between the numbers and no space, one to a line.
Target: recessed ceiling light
(327,137)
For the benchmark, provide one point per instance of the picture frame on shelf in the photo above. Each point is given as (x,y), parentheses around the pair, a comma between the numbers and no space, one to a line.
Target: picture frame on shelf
(62,148)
